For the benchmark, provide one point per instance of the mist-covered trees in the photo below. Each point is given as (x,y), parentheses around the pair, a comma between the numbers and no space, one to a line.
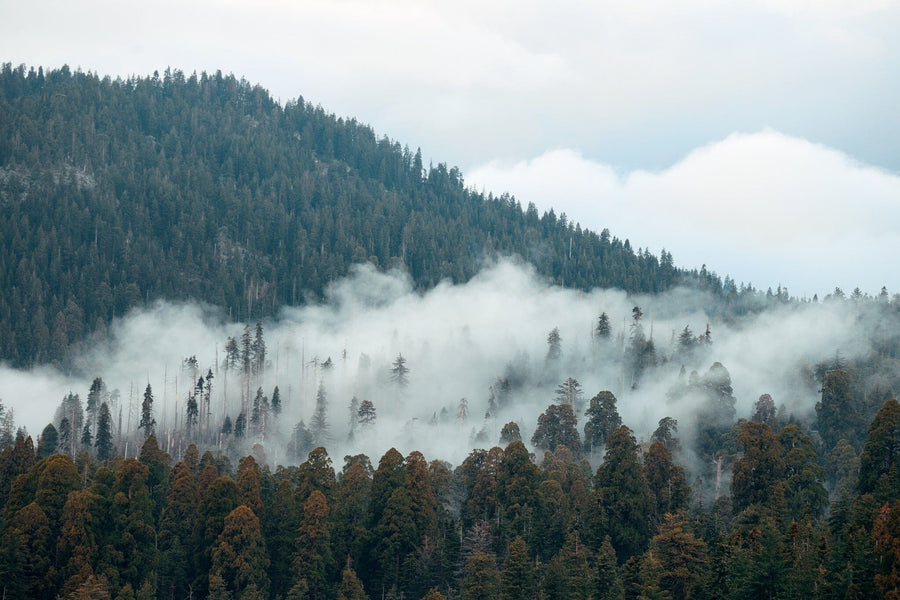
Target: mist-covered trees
(557,426)
(147,422)
(400,372)
(138,528)
(602,419)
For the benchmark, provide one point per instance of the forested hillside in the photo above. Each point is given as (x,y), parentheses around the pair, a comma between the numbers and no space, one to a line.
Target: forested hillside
(496,526)
(118,192)
(689,439)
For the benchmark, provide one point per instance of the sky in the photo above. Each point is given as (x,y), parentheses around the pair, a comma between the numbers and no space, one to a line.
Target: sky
(760,138)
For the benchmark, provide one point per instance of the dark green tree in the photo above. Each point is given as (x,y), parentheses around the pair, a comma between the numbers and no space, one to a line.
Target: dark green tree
(557,426)
(602,419)
(147,423)
(48,441)
(879,463)
(623,496)
(104,439)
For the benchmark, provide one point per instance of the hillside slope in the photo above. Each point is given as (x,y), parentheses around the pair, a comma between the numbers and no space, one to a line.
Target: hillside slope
(119,192)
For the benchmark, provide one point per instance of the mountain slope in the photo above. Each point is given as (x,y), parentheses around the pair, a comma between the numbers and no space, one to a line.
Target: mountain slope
(120,192)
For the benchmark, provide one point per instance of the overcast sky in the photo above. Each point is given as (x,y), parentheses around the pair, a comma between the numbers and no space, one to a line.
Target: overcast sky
(758,137)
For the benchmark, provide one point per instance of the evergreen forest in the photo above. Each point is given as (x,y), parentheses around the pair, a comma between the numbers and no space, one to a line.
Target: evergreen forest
(272,464)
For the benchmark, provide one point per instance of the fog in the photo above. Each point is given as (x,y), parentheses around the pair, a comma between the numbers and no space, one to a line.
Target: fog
(457,340)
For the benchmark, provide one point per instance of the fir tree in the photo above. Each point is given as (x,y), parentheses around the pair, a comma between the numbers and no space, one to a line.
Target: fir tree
(554,345)
(104,439)
(400,372)
(318,425)
(603,331)
(366,413)
(147,423)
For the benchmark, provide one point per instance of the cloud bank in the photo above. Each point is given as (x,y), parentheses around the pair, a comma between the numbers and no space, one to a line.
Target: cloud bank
(632,84)
(457,340)
(764,208)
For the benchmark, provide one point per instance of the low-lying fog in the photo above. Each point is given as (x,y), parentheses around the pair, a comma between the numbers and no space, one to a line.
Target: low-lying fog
(457,340)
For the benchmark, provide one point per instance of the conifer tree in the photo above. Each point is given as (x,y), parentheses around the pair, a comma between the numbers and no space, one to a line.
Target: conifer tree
(603,331)
(258,350)
(510,433)
(607,582)
(314,560)
(366,413)
(602,419)
(48,441)
(104,439)
(147,423)
(517,577)
(879,463)
(681,555)
(481,579)
(276,402)
(400,372)
(239,557)
(554,345)
(623,495)
(569,392)
(351,588)
(318,425)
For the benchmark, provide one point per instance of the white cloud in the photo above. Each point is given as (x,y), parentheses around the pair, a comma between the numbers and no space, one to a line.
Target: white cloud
(764,208)
(634,84)
(457,340)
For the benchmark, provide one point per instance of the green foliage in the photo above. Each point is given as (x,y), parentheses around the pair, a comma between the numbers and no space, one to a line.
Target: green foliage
(879,463)
(623,497)
(557,426)
(602,419)
(204,187)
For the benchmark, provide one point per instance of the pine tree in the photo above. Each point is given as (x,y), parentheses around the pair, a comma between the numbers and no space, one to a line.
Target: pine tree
(879,463)
(837,413)
(351,588)
(510,433)
(557,426)
(366,413)
(258,349)
(147,423)
(400,372)
(681,555)
(240,425)
(232,354)
(603,330)
(666,481)
(760,469)
(665,433)
(318,425)
(517,577)
(276,402)
(48,441)
(602,419)
(607,582)
(239,557)
(623,495)
(569,392)
(554,345)
(104,439)
(314,560)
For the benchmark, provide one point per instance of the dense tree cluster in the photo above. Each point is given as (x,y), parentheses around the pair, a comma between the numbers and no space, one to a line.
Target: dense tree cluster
(120,192)
(499,525)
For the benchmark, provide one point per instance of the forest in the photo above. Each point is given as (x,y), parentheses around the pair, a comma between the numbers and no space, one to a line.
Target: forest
(273,356)
(576,504)
(202,187)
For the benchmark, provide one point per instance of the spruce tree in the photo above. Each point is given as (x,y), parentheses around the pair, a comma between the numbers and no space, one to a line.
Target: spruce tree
(147,423)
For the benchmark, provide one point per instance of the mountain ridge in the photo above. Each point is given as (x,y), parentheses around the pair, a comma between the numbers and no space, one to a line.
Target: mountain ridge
(120,192)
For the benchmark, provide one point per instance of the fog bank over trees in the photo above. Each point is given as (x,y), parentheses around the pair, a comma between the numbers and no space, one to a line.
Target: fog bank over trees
(474,357)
